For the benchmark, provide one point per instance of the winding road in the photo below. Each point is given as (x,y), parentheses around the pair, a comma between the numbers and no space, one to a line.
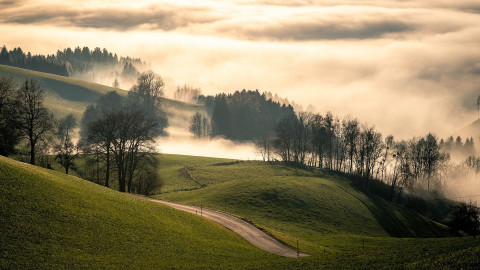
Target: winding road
(251,233)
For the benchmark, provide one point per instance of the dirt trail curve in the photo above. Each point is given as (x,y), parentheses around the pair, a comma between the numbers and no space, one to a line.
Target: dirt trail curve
(251,233)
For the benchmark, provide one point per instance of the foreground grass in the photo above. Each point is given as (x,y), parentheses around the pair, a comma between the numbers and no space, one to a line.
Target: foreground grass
(52,221)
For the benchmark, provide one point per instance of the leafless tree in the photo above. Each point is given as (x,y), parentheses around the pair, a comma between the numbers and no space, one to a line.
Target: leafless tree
(66,149)
(36,120)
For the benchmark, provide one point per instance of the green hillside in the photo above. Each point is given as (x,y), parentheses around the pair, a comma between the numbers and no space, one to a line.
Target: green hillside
(331,218)
(68,95)
(49,220)
(307,204)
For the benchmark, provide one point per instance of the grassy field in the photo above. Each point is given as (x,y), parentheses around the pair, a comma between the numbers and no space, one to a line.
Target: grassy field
(66,95)
(51,220)
(54,221)
(324,211)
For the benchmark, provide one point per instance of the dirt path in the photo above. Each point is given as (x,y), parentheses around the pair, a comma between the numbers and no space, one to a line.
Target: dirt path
(251,233)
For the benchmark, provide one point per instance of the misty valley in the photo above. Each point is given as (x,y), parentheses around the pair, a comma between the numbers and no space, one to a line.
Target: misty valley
(239,135)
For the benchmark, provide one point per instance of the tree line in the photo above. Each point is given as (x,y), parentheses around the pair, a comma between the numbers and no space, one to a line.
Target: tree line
(78,62)
(347,146)
(116,134)
(243,115)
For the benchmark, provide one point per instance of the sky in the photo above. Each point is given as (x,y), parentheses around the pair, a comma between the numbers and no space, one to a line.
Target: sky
(407,67)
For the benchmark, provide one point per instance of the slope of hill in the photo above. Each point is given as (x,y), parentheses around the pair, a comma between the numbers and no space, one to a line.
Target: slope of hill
(50,220)
(313,203)
(68,95)
(340,226)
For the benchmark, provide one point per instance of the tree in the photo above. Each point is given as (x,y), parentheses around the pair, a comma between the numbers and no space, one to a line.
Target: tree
(101,133)
(9,118)
(351,132)
(36,121)
(284,137)
(148,178)
(115,83)
(134,130)
(147,94)
(432,157)
(196,125)
(465,217)
(66,148)
(264,145)
(187,93)
(97,130)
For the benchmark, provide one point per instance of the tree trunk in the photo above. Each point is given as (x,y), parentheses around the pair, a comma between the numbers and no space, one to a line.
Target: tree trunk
(32,153)
(107,174)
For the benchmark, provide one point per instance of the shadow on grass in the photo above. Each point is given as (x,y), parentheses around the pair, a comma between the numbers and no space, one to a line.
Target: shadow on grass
(399,221)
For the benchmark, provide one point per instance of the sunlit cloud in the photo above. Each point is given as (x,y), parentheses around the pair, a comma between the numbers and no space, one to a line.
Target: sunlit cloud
(408,67)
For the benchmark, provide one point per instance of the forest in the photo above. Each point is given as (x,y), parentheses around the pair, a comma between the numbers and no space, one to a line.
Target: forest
(83,63)
(241,116)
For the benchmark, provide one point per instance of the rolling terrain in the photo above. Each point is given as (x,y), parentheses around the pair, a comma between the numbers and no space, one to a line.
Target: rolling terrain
(51,221)
(321,209)
(66,95)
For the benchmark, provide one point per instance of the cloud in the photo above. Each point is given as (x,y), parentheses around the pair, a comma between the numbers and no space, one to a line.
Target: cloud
(408,67)
(160,17)
(314,26)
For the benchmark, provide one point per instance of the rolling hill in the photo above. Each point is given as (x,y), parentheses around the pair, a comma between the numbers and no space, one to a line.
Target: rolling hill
(53,221)
(314,203)
(66,95)
(323,210)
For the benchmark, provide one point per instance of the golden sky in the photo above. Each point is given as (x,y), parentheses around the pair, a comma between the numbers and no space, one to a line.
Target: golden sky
(407,67)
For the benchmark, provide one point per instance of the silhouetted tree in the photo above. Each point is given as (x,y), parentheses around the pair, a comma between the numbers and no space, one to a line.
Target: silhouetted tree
(9,118)
(35,119)
(285,133)
(187,93)
(147,94)
(115,83)
(66,149)
(196,125)
(97,130)
(465,217)
(351,132)
(264,145)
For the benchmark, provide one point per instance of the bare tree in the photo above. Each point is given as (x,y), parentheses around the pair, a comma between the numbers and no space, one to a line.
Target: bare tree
(187,93)
(35,118)
(101,133)
(284,137)
(66,149)
(351,132)
(9,118)
(147,95)
(134,130)
(196,125)
(115,83)
(264,145)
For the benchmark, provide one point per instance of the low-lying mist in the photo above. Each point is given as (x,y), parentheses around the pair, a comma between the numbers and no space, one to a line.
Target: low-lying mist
(181,141)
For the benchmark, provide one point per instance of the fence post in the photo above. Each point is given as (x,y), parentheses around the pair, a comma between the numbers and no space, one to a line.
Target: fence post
(298,252)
